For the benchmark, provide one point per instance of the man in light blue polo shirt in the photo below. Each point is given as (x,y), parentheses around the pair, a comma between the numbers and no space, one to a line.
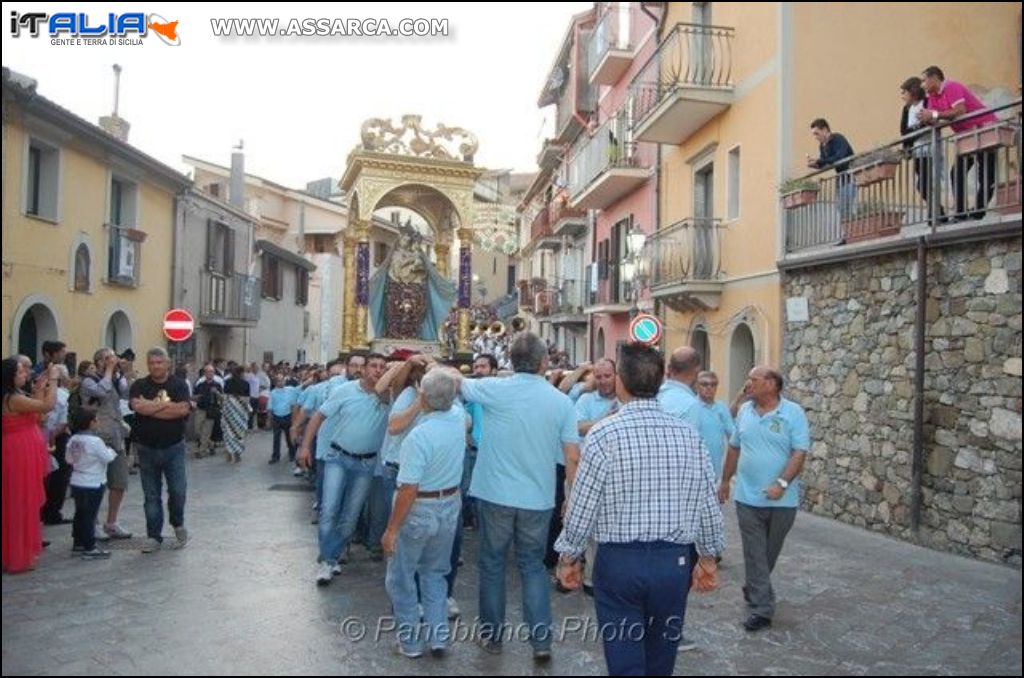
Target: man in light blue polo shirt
(359,418)
(767,453)
(676,396)
(716,424)
(597,404)
(282,399)
(423,524)
(530,427)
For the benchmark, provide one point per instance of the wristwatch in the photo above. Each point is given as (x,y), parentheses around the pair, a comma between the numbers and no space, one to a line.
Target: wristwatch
(783,483)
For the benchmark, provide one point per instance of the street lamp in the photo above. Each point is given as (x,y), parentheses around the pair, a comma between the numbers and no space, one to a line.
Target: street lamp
(634,267)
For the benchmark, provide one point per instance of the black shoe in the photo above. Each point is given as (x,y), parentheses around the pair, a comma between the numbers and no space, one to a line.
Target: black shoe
(438,652)
(46,544)
(274,460)
(58,521)
(756,622)
(541,655)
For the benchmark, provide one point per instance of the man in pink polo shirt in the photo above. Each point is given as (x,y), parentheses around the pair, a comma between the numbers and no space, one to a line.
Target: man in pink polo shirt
(952,100)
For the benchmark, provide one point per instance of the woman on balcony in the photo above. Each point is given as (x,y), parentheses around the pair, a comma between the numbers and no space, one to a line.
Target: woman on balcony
(920,145)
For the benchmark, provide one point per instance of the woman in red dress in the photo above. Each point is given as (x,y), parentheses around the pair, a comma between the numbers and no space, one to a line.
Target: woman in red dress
(25,463)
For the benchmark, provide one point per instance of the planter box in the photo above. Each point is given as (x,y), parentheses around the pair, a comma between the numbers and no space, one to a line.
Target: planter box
(872,226)
(875,172)
(805,196)
(985,139)
(1008,197)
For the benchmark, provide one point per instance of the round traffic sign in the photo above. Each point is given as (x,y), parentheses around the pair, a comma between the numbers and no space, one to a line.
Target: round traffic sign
(178,324)
(645,329)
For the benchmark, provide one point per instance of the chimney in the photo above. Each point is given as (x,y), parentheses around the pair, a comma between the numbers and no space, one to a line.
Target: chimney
(114,124)
(236,194)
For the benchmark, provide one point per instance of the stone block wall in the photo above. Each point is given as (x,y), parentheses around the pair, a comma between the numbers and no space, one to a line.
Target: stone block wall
(852,366)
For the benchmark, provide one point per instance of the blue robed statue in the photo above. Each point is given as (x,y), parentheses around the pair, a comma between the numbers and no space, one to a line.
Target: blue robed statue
(409,299)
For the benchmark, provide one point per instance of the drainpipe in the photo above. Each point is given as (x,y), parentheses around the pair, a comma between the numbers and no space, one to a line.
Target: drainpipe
(917,463)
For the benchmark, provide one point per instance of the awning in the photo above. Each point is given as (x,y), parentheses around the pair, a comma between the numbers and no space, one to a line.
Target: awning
(285,255)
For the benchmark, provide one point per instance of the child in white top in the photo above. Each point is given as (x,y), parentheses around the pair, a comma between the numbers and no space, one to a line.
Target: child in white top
(89,456)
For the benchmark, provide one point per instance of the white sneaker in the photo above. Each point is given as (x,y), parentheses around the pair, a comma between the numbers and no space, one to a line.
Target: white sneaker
(686,644)
(296,471)
(453,609)
(115,531)
(336,569)
(151,546)
(324,573)
(101,534)
(181,537)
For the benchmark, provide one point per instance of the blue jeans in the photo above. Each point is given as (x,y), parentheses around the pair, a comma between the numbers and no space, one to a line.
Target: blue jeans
(155,464)
(424,548)
(381,497)
(640,591)
(319,480)
(346,485)
(500,527)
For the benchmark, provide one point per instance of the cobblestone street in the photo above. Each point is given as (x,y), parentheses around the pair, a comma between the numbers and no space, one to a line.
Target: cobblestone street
(241,599)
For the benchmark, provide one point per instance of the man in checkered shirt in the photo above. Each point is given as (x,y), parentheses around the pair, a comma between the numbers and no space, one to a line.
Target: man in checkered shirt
(645,491)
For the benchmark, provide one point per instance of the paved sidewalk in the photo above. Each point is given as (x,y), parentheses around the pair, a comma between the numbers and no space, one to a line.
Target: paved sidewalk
(241,599)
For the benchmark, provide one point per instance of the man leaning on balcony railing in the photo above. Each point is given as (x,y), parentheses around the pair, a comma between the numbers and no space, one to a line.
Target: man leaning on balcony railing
(833,151)
(952,100)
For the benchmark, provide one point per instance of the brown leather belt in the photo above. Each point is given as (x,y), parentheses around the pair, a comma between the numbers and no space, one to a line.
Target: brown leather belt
(438,494)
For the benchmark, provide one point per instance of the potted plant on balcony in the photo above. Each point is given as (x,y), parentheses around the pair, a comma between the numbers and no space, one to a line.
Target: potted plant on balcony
(798,192)
(986,138)
(872,220)
(872,168)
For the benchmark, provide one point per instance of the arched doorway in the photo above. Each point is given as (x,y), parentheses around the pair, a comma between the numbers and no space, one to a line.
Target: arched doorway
(118,333)
(37,324)
(699,341)
(741,357)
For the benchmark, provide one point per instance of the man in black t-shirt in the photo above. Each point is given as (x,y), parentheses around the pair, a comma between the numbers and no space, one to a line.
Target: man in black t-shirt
(161,404)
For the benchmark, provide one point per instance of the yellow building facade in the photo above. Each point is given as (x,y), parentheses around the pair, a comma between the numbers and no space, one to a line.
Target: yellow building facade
(737,85)
(87,232)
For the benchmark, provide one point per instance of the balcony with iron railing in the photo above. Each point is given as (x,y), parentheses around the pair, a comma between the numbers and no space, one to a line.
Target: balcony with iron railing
(541,236)
(565,220)
(570,302)
(937,182)
(229,299)
(609,294)
(613,43)
(606,166)
(686,264)
(684,84)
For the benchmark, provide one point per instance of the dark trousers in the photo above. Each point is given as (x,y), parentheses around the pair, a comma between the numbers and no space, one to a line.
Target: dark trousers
(763,531)
(283,425)
(87,507)
(57,483)
(986,164)
(551,557)
(640,592)
(923,173)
